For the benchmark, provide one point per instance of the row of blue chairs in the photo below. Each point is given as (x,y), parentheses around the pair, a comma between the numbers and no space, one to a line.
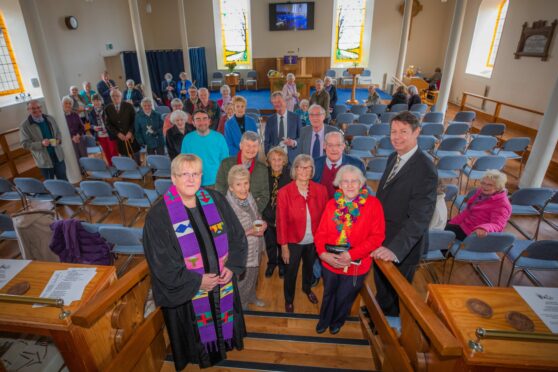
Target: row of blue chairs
(126,168)
(525,255)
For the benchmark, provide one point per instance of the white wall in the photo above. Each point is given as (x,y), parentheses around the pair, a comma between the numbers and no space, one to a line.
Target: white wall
(527,81)
(160,27)
(199,25)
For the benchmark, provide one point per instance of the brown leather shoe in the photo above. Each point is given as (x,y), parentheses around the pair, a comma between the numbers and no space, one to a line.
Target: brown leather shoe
(289,308)
(312,297)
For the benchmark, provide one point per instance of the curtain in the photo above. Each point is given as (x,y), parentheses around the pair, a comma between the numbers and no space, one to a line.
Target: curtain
(198,66)
(159,62)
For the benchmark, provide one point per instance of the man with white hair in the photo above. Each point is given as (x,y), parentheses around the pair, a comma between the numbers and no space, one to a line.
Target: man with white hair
(120,120)
(312,137)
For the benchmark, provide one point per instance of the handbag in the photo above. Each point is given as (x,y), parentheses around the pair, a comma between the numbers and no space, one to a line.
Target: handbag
(337,249)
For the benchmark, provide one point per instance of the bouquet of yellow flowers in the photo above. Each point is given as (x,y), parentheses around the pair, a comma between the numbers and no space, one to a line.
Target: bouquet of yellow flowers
(231,66)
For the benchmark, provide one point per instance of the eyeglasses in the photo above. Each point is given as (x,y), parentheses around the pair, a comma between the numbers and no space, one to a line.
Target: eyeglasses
(189,175)
(320,114)
(349,182)
(334,145)
(304,168)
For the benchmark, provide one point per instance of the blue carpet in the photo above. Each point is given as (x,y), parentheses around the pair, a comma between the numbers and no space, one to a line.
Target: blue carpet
(260,99)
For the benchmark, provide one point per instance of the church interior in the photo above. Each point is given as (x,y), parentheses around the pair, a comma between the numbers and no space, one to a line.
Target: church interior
(477,311)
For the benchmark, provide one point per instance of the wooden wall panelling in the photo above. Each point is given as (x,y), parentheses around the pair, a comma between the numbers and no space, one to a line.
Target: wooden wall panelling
(262,66)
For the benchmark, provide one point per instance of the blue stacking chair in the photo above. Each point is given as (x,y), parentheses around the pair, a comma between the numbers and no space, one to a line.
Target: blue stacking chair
(125,240)
(368,118)
(379,131)
(332,74)
(385,148)
(133,195)
(439,242)
(492,129)
(465,116)
(375,168)
(451,166)
(419,107)
(251,79)
(365,77)
(398,107)
(358,110)
(377,109)
(65,194)
(356,130)
(101,193)
(162,185)
(7,231)
(451,146)
(216,79)
(481,165)
(514,148)
(33,190)
(551,208)
(455,129)
(481,146)
(8,192)
(346,77)
(160,165)
(362,147)
(426,143)
(475,250)
(529,201)
(129,169)
(97,169)
(450,191)
(433,117)
(432,129)
(387,116)
(461,200)
(345,118)
(340,109)
(527,255)
(162,109)
(92,147)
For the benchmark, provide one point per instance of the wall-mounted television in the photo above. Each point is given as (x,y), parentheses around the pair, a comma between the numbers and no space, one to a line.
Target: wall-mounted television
(291,16)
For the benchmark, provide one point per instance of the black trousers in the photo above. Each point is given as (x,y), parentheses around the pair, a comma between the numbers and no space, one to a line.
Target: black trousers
(272,248)
(340,292)
(306,253)
(386,296)
(459,233)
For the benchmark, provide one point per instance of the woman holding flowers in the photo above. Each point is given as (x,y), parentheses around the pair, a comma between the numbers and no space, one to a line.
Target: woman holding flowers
(351,227)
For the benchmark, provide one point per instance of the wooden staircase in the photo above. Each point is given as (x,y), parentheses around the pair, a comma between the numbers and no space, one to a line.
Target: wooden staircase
(289,342)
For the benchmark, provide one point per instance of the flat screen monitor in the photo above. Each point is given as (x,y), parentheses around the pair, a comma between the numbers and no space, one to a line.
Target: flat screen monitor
(291,16)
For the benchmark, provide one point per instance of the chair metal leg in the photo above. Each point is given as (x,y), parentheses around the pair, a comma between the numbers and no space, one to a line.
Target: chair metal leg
(550,223)
(124,266)
(451,271)
(122,215)
(482,275)
(516,226)
(532,277)
(512,274)
(107,213)
(538,226)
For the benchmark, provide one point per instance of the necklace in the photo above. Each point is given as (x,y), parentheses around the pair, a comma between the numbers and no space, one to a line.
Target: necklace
(347,213)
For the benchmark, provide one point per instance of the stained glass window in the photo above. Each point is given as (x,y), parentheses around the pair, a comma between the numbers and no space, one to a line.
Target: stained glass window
(10,79)
(350,18)
(232,18)
(498,27)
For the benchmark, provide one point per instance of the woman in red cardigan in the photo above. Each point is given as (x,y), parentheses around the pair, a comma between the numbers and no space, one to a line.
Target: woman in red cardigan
(353,222)
(299,208)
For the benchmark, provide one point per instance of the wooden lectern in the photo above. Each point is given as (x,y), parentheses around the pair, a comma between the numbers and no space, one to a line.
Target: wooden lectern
(106,330)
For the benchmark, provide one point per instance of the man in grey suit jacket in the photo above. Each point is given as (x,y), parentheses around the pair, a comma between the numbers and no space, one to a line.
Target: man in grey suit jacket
(283,128)
(312,137)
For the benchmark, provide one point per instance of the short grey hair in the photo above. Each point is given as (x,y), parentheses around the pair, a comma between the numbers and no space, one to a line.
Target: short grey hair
(146,100)
(304,102)
(177,115)
(238,171)
(130,81)
(181,159)
(250,136)
(73,87)
(277,93)
(412,90)
(348,169)
(67,99)
(115,92)
(327,78)
(316,106)
(335,133)
(290,75)
(320,81)
(225,88)
(500,179)
(176,101)
(302,158)
(168,75)
(203,90)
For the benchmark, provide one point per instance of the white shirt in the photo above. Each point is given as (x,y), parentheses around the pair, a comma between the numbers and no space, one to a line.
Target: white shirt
(405,158)
(308,237)
(337,164)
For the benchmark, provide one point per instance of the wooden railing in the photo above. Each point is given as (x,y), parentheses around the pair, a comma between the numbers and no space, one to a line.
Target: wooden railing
(10,156)
(498,107)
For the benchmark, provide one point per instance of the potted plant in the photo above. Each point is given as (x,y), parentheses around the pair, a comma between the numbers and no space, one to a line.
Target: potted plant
(230,66)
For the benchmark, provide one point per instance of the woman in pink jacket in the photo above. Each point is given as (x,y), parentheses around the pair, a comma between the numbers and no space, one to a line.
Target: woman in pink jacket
(488,210)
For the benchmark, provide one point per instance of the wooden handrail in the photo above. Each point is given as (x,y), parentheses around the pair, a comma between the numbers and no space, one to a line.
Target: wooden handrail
(439,335)
(499,104)
(13,130)
(9,154)
(97,306)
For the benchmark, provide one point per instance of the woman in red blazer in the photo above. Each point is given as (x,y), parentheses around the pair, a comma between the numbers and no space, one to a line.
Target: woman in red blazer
(299,207)
(353,219)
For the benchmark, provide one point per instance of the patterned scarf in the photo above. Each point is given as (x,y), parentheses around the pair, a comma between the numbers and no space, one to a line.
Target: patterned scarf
(347,213)
(193,260)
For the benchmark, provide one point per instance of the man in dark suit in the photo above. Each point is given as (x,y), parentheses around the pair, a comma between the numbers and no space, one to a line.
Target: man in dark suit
(120,125)
(105,86)
(407,192)
(283,128)
(312,137)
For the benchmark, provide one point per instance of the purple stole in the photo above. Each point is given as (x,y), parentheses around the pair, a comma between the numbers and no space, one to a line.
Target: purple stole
(193,260)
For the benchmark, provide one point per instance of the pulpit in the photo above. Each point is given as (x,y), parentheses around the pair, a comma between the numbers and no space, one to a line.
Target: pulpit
(232,80)
(354,71)
(104,331)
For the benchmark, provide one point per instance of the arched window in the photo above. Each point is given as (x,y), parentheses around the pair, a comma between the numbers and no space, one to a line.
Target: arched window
(233,39)
(10,78)
(486,38)
(350,19)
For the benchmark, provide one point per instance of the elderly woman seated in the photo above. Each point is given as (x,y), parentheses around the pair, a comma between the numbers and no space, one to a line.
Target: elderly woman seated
(488,210)
(176,133)
(245,208)
(351,227)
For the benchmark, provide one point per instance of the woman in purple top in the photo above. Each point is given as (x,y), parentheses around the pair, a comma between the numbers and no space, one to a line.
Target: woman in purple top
(75,125)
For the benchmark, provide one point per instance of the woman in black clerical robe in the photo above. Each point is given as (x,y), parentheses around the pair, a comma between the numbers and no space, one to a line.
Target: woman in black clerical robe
(199,298)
